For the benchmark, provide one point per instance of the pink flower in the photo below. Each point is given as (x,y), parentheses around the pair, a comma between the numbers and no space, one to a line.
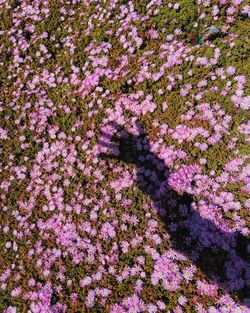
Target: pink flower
(85,281)
(182,300)
(16,292)
(166,271)
(181,180)
(241,79)
(107,231)
(231,70)
(206,289)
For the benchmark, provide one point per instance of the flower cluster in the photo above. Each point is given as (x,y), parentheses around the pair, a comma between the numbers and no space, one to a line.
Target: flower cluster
(124,156)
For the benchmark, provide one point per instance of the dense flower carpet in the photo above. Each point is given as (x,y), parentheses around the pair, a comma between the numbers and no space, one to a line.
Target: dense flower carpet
(124,156)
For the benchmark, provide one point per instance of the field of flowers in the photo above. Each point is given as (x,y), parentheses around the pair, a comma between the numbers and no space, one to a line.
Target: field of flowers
(124,156)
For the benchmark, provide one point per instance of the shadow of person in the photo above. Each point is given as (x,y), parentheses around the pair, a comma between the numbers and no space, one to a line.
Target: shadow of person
(222,256)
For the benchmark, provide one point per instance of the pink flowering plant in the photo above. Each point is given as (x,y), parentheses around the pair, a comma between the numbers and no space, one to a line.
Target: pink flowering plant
(124,156)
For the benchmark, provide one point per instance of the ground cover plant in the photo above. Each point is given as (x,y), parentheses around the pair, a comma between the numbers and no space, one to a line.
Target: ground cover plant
(124,156)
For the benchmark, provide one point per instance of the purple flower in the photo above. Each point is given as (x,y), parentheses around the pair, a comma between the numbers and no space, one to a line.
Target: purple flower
(166,272)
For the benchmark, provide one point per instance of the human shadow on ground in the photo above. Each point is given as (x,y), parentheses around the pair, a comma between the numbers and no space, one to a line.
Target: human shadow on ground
(221,256)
